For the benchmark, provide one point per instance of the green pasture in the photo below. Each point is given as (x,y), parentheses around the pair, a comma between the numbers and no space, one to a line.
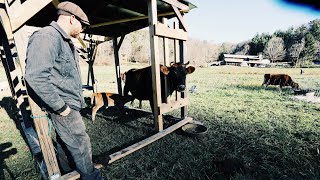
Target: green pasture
(253,133)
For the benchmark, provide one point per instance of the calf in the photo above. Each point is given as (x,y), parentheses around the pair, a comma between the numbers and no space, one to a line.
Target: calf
(139,81)
(279,79)
(108,99)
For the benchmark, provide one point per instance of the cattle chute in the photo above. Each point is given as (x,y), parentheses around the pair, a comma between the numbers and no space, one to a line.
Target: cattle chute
(110,20)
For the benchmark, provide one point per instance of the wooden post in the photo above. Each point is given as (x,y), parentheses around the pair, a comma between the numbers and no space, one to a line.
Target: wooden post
(18,92)
(176,54)
(166,58)
(155,69)
(116,48)
(181,53)
(42,127)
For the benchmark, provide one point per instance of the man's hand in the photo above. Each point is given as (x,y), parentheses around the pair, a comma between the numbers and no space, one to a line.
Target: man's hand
(66,112)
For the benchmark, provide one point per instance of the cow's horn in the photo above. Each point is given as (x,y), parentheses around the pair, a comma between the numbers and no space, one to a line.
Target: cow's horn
(187,63)
(171,63)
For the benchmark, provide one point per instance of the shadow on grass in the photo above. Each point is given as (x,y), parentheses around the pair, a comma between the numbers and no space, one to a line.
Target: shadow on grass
(4,154)
(275,89)
(9,105)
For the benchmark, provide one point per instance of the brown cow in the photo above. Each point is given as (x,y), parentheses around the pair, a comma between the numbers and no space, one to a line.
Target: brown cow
(108,99)
(279,79)
(139,81)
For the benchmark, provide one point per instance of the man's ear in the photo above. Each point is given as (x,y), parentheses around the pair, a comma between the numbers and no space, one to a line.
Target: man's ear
(190,69)
(72,18)
(164,69)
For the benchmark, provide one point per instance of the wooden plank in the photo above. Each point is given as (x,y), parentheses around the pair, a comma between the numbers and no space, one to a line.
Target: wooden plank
(165,58)
(41,124)
(155,68)
(180,18)
(21,41)
(176,50)
(172,105)
(20,15)
(163,31)
(117,63)
(131,19)
(126,151)
(4,19)
(75,175)
(177,4)
(145,142)
(181,57)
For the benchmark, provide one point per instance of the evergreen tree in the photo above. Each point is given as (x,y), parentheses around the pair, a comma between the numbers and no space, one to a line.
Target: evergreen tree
(310,49)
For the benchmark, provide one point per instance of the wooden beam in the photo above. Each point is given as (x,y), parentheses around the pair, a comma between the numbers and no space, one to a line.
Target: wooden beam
(177,4)
(164,31)
(155,68)
(176,47)
(41,124)
(21,41)
(117,63)
(172,105)
(75,175)
(180,18)
(126,151)
(5,22)
(132,19)
(21,14)
(181,57)
(145,142)
(165,58)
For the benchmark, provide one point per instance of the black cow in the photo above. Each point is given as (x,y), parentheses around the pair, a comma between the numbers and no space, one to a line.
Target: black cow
(139,81)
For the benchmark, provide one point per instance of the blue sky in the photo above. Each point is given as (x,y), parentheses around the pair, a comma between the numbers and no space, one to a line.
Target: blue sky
(235,21)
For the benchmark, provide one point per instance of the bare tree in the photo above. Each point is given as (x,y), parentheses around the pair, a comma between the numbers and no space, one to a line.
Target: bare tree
(295,51)
(274,49)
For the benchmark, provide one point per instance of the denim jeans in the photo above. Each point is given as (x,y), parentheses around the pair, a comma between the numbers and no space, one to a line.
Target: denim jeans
(71,130)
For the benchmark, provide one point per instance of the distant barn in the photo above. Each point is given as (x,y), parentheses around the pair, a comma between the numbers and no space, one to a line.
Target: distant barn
(248,60)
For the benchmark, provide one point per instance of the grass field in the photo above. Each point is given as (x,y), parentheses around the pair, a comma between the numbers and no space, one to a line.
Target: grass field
(253,133)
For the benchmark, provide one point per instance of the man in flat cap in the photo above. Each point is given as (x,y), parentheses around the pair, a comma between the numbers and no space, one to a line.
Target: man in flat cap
(53,76)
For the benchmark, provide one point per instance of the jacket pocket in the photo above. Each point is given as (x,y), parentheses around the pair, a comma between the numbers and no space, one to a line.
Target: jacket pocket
(64,62)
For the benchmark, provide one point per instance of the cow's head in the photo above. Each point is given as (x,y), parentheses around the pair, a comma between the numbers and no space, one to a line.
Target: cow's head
(295,85)
(177,74)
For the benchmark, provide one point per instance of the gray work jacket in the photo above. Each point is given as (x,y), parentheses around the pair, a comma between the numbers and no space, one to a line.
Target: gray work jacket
(52,69)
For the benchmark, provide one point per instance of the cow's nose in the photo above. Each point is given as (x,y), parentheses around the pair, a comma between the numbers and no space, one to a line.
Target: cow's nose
(181,87)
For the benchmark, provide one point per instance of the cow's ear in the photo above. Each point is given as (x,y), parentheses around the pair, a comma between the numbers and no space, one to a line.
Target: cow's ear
(190,69)
(164,69)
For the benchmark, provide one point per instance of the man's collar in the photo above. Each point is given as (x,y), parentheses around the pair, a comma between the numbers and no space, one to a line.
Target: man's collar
(62,32)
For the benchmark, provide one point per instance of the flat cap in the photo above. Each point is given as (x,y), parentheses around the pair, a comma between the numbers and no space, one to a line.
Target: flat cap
(69,8)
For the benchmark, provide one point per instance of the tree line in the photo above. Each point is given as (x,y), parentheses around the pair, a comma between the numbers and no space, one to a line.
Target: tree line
(296,45)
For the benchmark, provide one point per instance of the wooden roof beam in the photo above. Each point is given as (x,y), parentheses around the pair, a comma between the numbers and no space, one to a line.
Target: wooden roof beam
(177,4)
(179,16)
(22,13)
(132,19)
